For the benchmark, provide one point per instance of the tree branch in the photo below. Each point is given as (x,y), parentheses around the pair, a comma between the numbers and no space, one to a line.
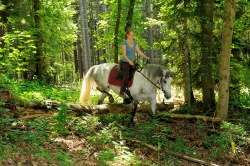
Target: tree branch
(173,153)
(182,116)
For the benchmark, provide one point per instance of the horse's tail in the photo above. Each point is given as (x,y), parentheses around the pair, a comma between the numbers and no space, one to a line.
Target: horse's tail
(87,85)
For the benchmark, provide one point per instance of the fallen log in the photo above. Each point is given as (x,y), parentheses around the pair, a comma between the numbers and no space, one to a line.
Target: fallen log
(185,116)
(102,108)
(49,108)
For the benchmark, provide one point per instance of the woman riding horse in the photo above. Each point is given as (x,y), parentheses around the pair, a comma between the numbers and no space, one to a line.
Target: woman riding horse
(129,45)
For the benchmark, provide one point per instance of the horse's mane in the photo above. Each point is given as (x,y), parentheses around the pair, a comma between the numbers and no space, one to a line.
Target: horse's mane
(152,71)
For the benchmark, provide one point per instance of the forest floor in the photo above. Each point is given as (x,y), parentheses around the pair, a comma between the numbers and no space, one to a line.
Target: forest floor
(63,138)
(106,140)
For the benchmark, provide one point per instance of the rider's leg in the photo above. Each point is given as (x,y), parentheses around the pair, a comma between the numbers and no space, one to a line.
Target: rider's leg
(125,68)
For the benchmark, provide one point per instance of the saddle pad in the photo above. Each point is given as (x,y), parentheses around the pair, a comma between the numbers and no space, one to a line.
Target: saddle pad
(113,80)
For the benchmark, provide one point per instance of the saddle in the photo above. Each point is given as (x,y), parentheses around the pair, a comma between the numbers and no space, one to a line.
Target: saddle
(116,76)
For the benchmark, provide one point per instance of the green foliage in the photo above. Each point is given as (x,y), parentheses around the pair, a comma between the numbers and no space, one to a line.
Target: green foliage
(110,118)
(217,145)
(41,152)
(106,27)
(63,158)
(238,129)
(105,132)
(106,136)
(106,155)
(225,141)
(18,52)
(18,47)
(80,126)
(32,91)
(245,100)
(179,146)
(109,139)
(61,121)
(102,138)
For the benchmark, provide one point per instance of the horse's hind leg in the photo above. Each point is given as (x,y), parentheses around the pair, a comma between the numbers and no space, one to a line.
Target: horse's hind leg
(102,97)
(104,94)
(134,108)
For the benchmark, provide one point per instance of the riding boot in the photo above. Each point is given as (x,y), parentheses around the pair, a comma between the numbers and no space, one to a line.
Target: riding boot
(129,95)
(127,100)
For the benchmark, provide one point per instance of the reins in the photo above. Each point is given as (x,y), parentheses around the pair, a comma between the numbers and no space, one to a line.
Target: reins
(139,70)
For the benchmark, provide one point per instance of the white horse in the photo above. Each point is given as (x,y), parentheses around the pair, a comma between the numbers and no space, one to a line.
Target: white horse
(144,86)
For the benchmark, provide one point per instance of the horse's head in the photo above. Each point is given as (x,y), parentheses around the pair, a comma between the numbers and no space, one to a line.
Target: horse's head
(166,79)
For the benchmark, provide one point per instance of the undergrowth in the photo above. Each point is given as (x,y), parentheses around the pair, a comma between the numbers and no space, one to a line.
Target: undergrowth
(106,140)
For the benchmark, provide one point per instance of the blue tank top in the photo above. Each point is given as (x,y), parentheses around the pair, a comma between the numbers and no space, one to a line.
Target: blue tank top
(130,51)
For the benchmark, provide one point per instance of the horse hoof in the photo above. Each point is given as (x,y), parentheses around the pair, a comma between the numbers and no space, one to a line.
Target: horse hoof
(111,99)
(126,101)
(131,124)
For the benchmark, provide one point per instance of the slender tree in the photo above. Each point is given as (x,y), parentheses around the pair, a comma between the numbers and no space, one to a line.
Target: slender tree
(224,71)
(150,32)
(207,81)
(3,20)
(186,59)
(117,25)
(235,86)
(129,17)
(84,34)
(40,57)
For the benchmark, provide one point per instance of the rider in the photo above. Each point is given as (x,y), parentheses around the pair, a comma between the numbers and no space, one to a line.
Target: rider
(129,45)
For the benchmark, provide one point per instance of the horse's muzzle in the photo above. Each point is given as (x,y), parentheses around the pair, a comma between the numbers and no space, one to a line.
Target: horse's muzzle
(167,96)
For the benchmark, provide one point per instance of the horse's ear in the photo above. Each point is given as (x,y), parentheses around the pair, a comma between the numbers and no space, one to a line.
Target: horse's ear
(170,72)
(173,70)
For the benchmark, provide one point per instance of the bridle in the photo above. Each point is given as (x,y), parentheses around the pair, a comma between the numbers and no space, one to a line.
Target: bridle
(161,81)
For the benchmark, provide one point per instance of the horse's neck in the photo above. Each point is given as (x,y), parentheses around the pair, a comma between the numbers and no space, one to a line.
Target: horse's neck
(153,78)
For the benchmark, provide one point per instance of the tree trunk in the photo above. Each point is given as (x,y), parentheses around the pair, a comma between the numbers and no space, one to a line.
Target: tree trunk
(41,64)
(234,89)
(92,24)
(156,34)
(84,34)
(207,81)
(116,46)
(75,58)
(129,17)
(3,20)
(80,58)
(187,75)
(86,24)
(224,71)
(75,19)
(150,51)
(98,51)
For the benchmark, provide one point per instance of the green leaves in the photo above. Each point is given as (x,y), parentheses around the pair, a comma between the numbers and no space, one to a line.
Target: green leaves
(18,52)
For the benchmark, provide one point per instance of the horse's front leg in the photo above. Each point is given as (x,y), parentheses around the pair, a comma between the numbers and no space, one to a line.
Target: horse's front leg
(134,108)
(153,106)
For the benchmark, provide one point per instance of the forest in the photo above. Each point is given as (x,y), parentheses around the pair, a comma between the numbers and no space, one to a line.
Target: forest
(48,46)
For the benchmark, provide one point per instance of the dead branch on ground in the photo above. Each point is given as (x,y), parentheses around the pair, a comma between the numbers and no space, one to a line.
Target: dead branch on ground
(184,116)
(173,153)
